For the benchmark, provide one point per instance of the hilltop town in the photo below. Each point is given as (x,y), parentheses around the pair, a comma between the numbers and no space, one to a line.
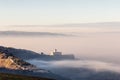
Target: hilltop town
(28,55)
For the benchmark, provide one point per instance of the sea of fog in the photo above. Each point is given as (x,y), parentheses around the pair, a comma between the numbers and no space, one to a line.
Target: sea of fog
(81,69)
(91,42)
(96,47)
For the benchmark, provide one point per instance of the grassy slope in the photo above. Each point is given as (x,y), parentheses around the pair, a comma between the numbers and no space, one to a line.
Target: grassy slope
(4,76)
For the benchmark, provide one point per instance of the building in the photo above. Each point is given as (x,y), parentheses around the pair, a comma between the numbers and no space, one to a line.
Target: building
(56,53)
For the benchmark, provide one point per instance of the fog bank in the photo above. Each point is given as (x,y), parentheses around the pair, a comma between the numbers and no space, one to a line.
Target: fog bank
(81,69)
(88,64)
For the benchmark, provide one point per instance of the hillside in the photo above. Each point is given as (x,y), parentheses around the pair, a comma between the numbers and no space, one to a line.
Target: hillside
(11,64)
(20,53)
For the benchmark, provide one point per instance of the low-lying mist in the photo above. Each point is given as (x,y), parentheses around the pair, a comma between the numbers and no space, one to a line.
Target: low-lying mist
(80,69)
(94,65)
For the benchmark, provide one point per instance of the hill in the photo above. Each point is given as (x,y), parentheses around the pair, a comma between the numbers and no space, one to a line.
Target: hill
(20,53)
(28,54)
(11,64)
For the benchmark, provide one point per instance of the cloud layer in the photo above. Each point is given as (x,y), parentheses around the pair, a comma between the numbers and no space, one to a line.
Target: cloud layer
(99,24)
(32,34)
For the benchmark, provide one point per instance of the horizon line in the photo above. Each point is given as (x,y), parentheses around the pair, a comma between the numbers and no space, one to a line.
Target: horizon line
(18,25)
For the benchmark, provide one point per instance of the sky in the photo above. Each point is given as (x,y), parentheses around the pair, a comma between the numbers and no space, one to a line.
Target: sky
(59,17)
(47,12)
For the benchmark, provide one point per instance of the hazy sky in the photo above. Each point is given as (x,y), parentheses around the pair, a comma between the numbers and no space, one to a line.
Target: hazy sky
(39,12)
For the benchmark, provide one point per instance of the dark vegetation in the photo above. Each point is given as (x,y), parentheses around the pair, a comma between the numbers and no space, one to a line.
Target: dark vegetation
(6,76)
(27,73)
